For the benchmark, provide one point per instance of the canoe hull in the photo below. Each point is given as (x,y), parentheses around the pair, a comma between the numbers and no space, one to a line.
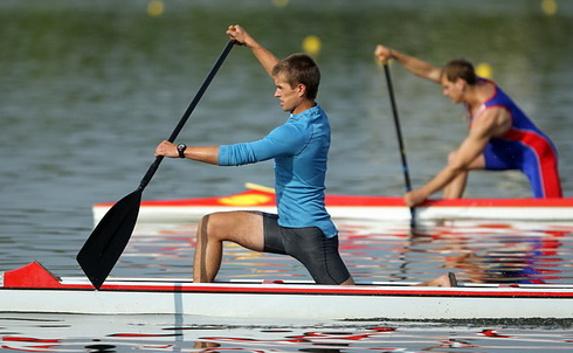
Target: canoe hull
(32,288)
(375,208)
(292,305)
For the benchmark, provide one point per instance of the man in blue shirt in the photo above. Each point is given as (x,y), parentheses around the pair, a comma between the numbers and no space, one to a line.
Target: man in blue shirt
(303,228)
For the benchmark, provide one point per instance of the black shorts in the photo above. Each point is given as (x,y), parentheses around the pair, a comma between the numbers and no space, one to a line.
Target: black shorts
(316,252)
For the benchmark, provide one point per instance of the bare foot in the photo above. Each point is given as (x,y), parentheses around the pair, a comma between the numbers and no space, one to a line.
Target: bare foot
(448,280)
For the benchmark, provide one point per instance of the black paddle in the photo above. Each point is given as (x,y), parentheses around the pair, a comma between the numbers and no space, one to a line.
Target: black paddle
(108,240)
(400,142)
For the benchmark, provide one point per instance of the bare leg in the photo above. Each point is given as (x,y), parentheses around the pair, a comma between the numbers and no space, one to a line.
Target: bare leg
(455,189)
(243,228)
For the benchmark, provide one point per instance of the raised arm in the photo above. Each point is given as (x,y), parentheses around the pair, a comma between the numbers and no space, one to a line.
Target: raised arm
(414,65)
(265,57)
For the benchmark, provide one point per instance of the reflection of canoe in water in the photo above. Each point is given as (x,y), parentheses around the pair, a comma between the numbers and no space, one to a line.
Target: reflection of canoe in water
(358,207)
(34,289)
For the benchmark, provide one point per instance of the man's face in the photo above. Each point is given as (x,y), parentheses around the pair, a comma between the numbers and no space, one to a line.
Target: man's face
(453,90)
(289,97)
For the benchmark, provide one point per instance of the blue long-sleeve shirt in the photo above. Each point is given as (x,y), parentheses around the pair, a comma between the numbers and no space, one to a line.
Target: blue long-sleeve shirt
(300,150)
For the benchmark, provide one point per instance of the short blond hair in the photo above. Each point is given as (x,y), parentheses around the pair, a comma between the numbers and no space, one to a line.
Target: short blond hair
(300,68)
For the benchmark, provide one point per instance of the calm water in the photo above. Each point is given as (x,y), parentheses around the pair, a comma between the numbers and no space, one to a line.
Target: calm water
(89,88)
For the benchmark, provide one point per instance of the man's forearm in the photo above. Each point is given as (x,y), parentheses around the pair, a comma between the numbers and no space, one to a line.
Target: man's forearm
(264,56)
(417,67)
(441,180)
(205,154)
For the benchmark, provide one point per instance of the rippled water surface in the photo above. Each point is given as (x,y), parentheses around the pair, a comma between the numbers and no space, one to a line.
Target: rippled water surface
(480,252)
(195,334)
(87,89)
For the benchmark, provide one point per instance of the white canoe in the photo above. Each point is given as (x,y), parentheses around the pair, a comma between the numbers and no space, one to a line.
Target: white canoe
(377,208)
(34,289)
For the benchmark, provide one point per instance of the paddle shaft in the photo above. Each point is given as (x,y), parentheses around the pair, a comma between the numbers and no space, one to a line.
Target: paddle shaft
(400,140)
(153,168)
(107,241)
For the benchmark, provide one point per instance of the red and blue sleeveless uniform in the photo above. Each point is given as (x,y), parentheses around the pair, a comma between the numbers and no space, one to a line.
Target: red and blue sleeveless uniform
(523,147)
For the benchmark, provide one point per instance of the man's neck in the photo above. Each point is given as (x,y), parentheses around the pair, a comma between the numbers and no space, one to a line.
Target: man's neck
(304,105)
(478,94)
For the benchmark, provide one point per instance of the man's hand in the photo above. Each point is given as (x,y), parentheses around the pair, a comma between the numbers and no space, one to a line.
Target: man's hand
(415,197)
(265,57)
(167,149)
(239,35)
(383,54)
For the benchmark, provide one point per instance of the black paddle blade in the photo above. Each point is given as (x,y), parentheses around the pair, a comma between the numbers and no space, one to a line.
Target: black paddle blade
(108,240)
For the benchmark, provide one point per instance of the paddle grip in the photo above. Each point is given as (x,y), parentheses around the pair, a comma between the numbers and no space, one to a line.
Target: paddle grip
(153,168)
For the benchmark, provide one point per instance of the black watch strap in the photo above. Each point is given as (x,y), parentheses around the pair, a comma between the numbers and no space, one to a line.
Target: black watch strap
(181,150)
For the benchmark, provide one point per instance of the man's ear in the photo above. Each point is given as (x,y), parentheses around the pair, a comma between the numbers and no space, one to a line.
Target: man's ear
(461,84)
(301,90)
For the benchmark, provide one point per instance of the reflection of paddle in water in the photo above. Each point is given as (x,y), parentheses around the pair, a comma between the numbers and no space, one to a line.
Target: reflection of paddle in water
(412,240)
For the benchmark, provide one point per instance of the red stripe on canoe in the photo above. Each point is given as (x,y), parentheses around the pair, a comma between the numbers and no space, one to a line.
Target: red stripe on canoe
(267,199)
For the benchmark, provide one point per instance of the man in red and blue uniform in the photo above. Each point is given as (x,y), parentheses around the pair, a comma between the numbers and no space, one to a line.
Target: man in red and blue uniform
(501,136)
(523,147)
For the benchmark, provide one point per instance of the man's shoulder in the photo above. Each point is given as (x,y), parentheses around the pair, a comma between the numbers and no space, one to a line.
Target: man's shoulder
(313,112)
(291,129)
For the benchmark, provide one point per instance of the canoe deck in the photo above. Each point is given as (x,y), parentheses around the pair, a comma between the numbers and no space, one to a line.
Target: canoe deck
(32,288)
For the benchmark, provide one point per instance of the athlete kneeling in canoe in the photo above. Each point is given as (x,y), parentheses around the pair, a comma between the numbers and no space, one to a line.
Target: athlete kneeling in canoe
(501,136)
(303,228)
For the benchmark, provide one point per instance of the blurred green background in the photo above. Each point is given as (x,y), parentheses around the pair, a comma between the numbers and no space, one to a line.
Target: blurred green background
(88,88)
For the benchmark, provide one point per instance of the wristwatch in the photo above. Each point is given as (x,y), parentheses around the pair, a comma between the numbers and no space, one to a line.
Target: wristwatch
(181,150)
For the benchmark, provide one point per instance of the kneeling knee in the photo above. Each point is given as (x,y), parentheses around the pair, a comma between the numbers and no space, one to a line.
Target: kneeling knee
(213,224)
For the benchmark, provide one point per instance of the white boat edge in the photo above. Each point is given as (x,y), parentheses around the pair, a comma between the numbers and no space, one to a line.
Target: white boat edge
(180,214)
(288,300)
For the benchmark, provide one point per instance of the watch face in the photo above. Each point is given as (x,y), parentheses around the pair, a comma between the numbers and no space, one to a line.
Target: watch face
(181,150)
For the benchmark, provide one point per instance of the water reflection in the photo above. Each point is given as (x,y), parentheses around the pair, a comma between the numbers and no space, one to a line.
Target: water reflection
(479,252)
(196,334)
(491,253)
